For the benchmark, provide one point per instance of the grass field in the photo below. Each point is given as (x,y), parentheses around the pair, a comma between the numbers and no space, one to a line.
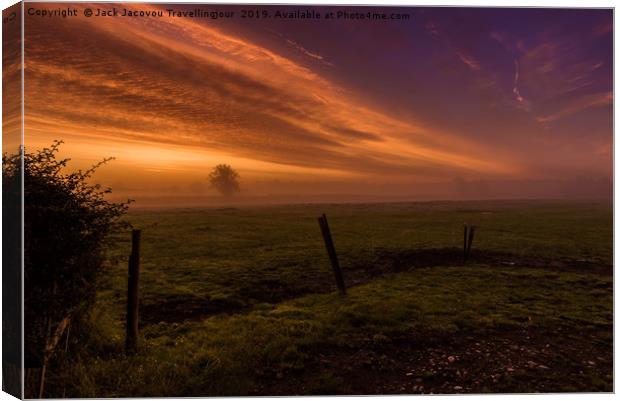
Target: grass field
(243,302)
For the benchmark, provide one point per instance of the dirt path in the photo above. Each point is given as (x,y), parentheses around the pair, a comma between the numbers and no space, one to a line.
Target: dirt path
(525,361)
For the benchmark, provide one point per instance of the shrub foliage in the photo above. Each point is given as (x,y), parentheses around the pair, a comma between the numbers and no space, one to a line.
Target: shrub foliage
(67,227)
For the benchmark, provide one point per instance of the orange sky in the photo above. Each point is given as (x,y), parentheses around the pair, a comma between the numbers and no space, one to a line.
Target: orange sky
(169,98)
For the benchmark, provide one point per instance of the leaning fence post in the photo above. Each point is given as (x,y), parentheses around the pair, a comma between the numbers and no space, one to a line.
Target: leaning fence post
(131,339)
(331,252)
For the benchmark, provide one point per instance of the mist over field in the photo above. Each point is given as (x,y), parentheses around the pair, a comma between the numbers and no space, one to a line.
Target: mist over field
(200,195)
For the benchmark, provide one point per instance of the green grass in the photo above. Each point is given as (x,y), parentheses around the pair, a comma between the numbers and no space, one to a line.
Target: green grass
(229,255)
(240,257)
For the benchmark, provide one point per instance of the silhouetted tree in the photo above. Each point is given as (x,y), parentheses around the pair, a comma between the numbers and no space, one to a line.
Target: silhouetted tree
(67,227)
(224,179)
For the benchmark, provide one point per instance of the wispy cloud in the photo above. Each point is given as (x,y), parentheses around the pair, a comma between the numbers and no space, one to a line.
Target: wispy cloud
(469,61)
(557,66)
(183,83)
(309,53)
(301,49)
(524,104)
(583,103)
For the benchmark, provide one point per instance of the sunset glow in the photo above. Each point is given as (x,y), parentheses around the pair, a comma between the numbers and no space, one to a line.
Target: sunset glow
(453,103)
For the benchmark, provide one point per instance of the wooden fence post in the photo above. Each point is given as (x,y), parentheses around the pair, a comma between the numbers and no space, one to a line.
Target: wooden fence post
(131,339)
(331,252)
(468,238)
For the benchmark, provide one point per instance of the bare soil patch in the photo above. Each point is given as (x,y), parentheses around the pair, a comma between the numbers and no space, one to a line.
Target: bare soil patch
(522,361)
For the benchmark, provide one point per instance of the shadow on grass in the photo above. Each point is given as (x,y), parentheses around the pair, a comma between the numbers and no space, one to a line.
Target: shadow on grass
(385,261)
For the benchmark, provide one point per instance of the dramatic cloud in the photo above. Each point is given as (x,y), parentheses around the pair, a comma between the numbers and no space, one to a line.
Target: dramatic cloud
(172,96)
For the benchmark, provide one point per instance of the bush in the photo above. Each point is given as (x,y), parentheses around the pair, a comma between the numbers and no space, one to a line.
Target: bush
(67,227)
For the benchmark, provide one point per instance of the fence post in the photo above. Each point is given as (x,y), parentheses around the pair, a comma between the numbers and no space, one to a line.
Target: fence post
(331,252)
(131,339)
(468,238)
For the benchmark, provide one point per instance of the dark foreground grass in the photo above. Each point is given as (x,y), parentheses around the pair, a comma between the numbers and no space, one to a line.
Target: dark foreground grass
(239,302)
